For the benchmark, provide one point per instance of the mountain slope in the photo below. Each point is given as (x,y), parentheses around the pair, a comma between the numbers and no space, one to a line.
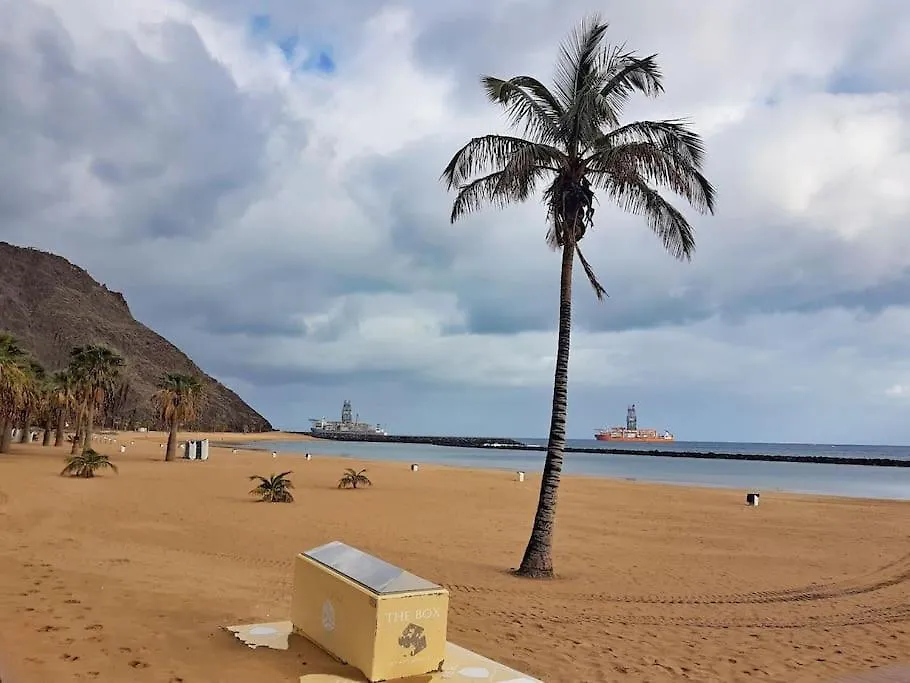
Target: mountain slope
(50,305)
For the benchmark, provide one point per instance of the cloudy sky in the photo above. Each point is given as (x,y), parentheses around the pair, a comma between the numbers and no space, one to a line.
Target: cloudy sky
(260,179)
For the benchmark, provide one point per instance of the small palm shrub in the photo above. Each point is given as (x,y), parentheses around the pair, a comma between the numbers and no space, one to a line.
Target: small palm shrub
(273,489)
(354,478)
(86,464)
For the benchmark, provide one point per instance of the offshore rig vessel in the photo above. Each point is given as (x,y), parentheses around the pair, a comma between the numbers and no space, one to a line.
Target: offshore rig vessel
(348,424)
(631,432)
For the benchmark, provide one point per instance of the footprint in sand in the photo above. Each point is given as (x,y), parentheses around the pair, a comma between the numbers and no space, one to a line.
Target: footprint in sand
(68,657)
(138,664)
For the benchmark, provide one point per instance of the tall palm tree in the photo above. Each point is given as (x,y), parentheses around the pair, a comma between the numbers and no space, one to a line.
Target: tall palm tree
(13,379)
(97,367)
(177,401)
(571,142)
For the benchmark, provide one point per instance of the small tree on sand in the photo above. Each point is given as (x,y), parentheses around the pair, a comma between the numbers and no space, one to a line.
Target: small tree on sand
(353,478)
(273,489)
(85,464)
(177,401)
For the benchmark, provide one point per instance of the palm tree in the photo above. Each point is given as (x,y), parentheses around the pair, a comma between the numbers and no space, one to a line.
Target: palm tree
(80,402)
(177,400)
(48,412)
(32,397)
(63,401)
(13,382)
(85,464)
(96,367)
(353,478)
(571,142)
(273,489)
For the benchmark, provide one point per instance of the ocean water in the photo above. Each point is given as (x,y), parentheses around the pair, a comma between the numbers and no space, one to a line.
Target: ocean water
(837,480)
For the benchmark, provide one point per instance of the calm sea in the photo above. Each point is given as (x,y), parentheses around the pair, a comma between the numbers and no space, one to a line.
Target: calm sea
(838,480)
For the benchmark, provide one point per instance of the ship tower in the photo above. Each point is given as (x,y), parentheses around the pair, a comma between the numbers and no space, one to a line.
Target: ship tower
(631,419)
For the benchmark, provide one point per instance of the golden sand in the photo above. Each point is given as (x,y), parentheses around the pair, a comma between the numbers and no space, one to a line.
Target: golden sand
(131,577)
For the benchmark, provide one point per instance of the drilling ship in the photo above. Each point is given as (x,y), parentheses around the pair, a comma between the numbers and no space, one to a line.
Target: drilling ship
(348,424)
(631,432)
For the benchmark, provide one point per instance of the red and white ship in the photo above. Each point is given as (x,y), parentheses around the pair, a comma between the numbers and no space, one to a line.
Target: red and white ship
(631,432)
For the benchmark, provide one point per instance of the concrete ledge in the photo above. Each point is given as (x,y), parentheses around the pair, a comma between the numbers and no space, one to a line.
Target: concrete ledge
(461,665)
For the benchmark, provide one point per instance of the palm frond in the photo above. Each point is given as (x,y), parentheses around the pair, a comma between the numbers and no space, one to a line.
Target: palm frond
(635,196)
(598,288)
(674,136)
(624,74)
(578,60)
(656,166)
(529,105)
(490,153)
(580,77)
(515,183)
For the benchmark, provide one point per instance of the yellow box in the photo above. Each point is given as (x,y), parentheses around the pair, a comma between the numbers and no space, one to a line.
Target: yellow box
(386,622)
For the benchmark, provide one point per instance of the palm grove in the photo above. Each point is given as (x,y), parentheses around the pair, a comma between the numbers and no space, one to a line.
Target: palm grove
(571,143)
(31,398)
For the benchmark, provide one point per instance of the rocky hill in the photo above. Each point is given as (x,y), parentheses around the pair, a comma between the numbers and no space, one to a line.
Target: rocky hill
(50,305)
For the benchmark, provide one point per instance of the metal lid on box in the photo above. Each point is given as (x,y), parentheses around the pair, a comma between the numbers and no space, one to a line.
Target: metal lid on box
(370,572)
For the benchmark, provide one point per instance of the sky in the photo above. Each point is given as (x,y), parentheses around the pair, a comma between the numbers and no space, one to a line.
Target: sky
(261,181)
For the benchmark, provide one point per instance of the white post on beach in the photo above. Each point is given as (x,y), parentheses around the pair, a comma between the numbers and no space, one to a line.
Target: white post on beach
(307,456)
(123,449)
(274,454)
(521,475)
(752,499)
(415,467)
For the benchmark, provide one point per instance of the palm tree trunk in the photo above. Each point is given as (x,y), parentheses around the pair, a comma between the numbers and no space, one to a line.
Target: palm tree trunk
(6,436)
(25,435)
(89,426)
(61,419)
(77,435)
(48,426)
(170,452)
(538,559)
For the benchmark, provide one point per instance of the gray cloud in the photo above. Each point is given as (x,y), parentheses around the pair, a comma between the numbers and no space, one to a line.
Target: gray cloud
(289,231)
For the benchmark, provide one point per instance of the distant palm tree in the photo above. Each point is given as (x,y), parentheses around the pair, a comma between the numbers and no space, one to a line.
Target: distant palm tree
(31,403)
(177,401)
(96,367)
(62,401)
(275,488)
(86,463)
(354,478)
(571,140)
(13,386)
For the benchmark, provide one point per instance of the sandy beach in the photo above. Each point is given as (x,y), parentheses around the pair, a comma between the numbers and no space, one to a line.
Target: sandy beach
(130,577)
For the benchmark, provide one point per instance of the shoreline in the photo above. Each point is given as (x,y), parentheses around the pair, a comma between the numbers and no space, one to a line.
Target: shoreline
(618,479)
(513,445)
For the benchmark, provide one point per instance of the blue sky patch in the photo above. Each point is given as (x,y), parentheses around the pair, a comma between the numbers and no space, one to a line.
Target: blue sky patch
(320,61)
(288,47)
(260,23)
